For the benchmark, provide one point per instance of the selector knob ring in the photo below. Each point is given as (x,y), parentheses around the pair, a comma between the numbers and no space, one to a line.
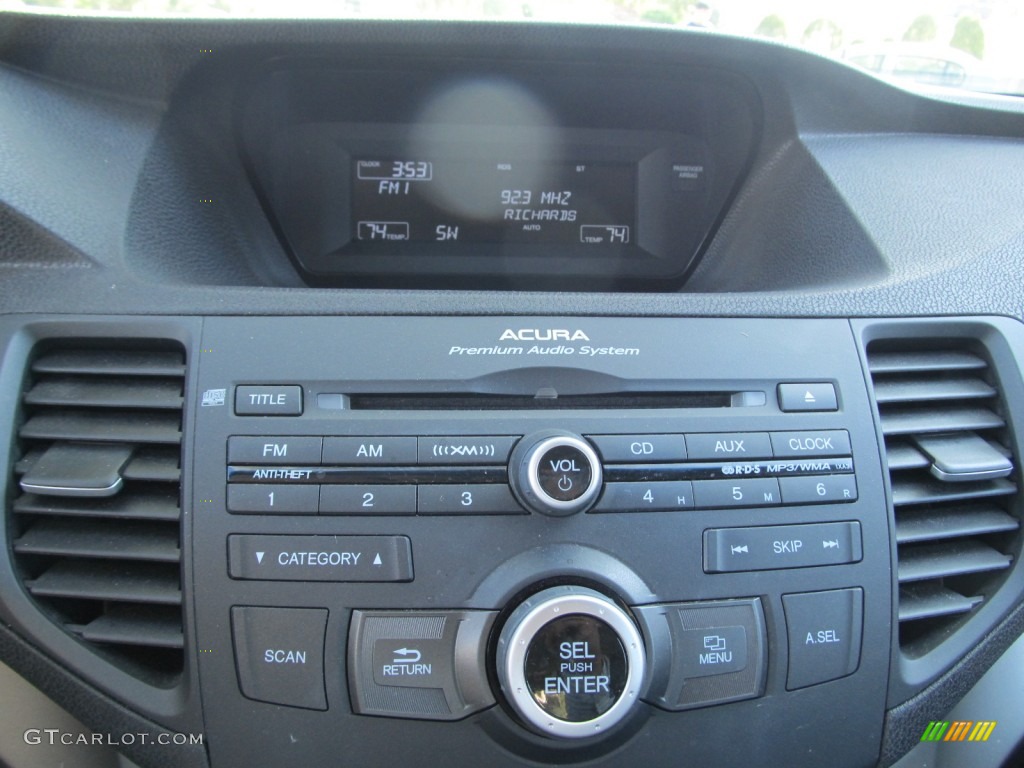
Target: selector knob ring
(516,642)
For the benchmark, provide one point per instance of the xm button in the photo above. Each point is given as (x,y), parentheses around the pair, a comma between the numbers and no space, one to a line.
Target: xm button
(570,662)
(556,473)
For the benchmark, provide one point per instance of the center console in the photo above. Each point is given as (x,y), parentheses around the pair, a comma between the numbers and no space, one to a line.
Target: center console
(545,534)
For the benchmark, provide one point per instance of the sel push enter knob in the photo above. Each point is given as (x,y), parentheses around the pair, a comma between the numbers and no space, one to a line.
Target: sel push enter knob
(570,662)
(556,473)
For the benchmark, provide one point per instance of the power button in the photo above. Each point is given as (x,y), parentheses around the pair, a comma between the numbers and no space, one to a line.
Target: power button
(564,472)
(556,473)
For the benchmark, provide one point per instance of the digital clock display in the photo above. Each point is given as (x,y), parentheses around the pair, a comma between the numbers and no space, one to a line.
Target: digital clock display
(493,200)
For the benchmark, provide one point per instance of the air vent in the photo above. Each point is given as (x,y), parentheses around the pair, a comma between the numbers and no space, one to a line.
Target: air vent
(97,513)
(953,479)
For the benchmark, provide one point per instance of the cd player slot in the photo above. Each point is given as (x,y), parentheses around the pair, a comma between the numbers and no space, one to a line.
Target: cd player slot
(545,400)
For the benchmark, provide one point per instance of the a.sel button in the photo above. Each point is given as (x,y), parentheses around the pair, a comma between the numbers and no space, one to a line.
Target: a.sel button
(824,635)
(729,445)
(781,546)
(640,497)
(320,558)
(279,653)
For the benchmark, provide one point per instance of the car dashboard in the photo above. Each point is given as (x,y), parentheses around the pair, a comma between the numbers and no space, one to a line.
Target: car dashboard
(385,393)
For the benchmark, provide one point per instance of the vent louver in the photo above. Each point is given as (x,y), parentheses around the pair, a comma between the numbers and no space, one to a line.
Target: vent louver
(96,515)
(953,480)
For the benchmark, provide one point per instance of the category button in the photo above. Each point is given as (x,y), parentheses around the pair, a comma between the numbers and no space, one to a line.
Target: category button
(824,635)
(274,450)
(252,400)
(639,448)
(833,442)
(466,450)
(729,445)
(380,451)
(279,654)
(320,558)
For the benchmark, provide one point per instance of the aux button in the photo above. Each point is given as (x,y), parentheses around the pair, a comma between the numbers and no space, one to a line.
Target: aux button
(556,473)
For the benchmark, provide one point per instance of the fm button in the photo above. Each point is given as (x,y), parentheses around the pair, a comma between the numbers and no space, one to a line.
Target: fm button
(556,473)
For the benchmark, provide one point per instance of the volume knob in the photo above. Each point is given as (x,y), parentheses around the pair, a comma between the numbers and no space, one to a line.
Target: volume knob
(555,473)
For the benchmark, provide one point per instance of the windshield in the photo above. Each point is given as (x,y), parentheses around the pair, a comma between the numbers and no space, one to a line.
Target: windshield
(972,45)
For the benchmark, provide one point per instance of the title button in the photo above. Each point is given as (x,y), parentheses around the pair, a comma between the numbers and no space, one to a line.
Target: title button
(253,400)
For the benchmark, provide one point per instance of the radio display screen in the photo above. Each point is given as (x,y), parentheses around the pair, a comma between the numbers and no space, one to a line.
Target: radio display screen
(486,200)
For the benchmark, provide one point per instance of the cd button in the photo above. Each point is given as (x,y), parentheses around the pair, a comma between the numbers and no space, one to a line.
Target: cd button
(642,448)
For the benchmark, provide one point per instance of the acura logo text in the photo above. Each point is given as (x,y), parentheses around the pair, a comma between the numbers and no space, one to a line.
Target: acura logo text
(543,334)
